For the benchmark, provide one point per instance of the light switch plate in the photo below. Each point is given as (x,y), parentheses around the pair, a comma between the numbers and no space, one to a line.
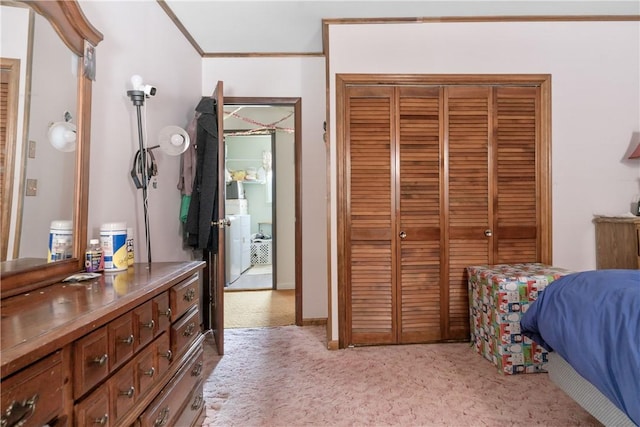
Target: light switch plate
(32,187)
(32,150)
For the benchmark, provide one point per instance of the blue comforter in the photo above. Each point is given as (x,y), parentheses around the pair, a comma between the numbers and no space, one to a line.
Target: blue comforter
(592,320)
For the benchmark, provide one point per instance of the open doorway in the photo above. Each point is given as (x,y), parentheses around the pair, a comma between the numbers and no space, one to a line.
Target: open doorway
(251,207)
(262,148)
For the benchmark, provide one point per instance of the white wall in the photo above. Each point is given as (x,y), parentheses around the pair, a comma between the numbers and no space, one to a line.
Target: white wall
(291,77)
(595,104)
(139,38)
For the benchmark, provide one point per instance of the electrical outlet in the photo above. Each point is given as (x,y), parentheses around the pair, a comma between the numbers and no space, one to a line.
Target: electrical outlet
(32,150)
(32,187)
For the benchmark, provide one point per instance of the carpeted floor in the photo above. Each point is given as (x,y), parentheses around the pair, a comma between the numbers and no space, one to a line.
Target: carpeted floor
(264,308)
(285,376)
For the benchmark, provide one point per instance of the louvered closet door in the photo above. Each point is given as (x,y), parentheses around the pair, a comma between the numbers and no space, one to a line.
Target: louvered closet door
(469,210)
(436,179)
(420,221)
(516,217)
(370,221)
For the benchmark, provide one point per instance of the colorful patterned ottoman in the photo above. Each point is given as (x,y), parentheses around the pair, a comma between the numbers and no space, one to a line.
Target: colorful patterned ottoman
(498,295)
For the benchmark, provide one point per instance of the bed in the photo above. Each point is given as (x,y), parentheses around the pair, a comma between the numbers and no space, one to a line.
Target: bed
(590,324)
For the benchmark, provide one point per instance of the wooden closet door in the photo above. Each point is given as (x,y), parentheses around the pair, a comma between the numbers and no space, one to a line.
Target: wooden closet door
(436,178)
(517,216)
(420,222)
(469,209)
(370,221)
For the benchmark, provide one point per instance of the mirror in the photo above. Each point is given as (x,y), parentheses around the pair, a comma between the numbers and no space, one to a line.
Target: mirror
(42,176)
(44,188)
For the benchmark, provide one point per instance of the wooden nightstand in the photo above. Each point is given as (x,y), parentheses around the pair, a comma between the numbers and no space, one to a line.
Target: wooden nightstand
(617,242)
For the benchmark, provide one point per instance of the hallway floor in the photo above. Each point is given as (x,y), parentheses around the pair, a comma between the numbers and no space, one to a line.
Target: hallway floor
(256,277)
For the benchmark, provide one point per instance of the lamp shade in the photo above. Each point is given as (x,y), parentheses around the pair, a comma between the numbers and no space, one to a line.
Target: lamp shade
(173,140)
(62,135)
(636,153)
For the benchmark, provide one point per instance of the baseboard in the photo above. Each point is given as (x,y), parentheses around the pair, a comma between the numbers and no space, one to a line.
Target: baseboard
(321,321)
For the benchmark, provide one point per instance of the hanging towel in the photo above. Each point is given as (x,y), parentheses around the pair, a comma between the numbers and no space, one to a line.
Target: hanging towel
(184,208)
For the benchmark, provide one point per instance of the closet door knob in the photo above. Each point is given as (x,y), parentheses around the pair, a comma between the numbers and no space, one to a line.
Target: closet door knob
(488,232)
(403,235)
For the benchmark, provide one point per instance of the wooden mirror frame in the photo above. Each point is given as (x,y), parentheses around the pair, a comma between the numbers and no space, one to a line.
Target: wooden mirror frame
(74,29)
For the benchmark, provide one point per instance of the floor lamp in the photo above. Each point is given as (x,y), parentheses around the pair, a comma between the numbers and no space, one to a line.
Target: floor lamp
(137,97)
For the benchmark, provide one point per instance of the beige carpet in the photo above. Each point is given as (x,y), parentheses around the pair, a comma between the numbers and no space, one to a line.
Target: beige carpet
(252,309)
(285,376)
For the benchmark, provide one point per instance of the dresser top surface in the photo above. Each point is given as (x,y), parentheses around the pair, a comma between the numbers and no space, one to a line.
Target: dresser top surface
(623,219)
(36,323)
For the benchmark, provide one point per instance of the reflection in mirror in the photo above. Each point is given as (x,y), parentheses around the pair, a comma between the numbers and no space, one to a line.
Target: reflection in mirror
(41,211)
(49,187)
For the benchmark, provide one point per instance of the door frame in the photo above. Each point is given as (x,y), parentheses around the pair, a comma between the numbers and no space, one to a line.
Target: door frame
(342,209)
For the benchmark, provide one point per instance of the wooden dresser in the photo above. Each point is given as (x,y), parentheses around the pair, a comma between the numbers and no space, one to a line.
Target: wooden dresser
(617,242)
(123,349)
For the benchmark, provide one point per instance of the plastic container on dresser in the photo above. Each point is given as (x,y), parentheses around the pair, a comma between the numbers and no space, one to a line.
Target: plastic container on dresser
(123,349)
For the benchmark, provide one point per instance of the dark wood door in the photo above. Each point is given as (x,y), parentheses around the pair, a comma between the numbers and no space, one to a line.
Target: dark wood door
(213,276)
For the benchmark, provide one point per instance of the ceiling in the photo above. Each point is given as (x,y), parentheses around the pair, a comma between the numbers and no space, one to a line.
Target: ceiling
(243,27)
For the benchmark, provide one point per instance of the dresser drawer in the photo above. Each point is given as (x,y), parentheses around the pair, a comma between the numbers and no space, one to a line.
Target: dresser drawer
(162,313)
(94,410)
(167,407)
(35,394)
(121,340)
(185,331)
(123,391)
(144,324)
(164,355)
(91,364)
(184,295)
(192,413)
(146,369)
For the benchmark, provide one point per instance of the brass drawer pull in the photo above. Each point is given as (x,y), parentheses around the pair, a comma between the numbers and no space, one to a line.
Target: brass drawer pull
(197,402)
(188,331)
(167,354)
(163,417)
(102,360)
(190,295)
(102,420)
(129,393)
(197,370)
(149,325)
(150,372)
(18,413)
(127,340)
(166,313)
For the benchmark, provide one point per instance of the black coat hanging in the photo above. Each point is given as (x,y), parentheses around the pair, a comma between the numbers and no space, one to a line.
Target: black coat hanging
(203,209)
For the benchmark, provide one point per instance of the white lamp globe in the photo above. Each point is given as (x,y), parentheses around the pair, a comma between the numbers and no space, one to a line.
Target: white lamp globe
(62,135)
